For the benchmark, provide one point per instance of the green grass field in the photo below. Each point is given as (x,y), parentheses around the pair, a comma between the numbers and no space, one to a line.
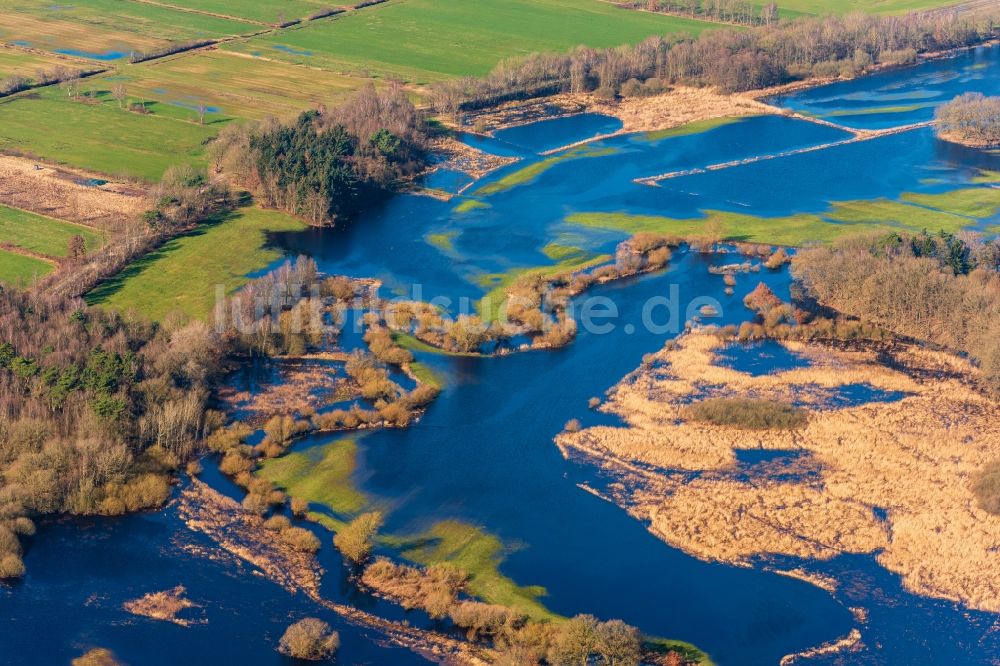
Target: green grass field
(497,284)
(798,7)
(98,28)
(427,40)
(43,235)
(236,85)
(19,270)
(102,137)
(321,475)
(26,63)
(264,11)
(479,554)
(183,273)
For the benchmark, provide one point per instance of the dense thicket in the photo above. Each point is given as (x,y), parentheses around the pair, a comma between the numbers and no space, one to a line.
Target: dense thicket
(939,288)
(329,163)
(95,410)
(972,119)
(731,60)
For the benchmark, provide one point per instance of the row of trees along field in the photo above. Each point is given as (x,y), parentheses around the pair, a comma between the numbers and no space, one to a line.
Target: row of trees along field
(96,411)
(330,163)
(731,60)
(181,200)
(739,12)
(971,119)
(940,288)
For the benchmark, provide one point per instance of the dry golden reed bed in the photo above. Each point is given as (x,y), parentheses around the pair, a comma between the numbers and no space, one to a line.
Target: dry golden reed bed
(914,458)
(680,106)
(56,192)
(165,606)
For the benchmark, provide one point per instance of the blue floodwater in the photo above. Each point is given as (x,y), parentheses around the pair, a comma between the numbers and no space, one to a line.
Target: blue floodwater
(854,395)
(447,180)
(483,452)
(91,55)
(757,456)
(760,358)
(291,51)
(882,100)
(548,134)
(82,572)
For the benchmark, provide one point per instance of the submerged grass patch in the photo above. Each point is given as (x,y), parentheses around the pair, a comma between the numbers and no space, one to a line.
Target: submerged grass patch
(986,177)
(902,108)
(320,475)
(559,252)
(407,341)
(497,284)
(978,202)
(791,230)
(879,212)
(184,272)
(479,554)
(470,205)
(696,127)
(443,241)
(425,375)
(43,235)
(950,211)
(529,173)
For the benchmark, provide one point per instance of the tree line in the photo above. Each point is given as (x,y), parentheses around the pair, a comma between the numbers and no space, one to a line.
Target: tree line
(329,164)
(730,60)
(739,12)
(96,410)
(970,118)
(14,83)
(939,288)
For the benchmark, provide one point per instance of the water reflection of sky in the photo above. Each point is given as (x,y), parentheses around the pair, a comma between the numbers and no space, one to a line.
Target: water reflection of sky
(900,96)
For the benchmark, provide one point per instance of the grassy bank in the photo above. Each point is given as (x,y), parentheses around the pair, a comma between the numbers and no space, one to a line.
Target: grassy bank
(20,270)
(184,273)
(322,476)
(497,284)
(479,554)
(43,235)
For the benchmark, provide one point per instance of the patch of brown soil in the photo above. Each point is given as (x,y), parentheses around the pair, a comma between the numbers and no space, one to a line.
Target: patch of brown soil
(913,458)
(58,192)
